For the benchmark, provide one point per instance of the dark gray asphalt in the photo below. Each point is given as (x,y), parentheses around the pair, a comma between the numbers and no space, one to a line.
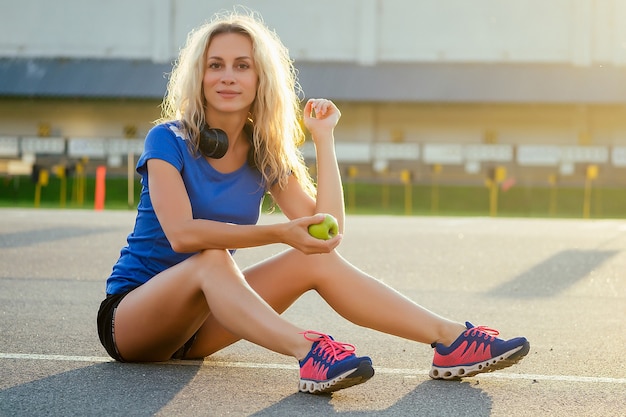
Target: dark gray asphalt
(561,283)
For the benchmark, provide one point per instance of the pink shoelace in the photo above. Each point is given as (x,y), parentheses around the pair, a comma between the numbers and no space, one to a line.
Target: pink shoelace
(328,346)
(488,332)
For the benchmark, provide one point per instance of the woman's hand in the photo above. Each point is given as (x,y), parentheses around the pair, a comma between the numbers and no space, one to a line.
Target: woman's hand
(320,117)
(296,235)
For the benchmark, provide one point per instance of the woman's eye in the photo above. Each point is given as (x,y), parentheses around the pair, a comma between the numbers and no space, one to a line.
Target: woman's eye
(214,65)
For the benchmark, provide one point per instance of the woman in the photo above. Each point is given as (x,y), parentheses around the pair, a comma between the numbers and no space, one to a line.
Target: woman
(176,291)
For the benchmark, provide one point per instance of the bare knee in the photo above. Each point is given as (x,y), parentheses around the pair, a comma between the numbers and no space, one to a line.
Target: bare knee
(212,263)
(316,267)
(318,261)
(214,256)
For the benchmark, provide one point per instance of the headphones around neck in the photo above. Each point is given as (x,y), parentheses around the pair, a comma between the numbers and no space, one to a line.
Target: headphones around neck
(213,143)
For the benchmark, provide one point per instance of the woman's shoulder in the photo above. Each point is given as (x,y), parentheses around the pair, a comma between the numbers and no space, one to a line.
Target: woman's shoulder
(167,142)
(172,128)
(164,137)
(167,132)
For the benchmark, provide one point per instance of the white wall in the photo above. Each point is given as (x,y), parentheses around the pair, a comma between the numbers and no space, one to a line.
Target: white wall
(577,32)
(580,32)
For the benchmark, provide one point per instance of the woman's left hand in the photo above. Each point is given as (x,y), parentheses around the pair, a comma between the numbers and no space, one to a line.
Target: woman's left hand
(320,117)
(295,234)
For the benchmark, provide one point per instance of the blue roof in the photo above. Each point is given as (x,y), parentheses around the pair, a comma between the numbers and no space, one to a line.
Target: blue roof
(387,82)
(86,78)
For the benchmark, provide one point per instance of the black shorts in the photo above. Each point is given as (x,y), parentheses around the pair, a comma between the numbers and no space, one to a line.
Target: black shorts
(106,328)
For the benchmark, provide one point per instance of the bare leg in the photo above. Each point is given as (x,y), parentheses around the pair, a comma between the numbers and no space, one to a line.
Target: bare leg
(156,319)
(280,280)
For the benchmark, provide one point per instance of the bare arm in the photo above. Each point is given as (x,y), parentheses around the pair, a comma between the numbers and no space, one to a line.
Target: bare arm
(186,234)
(329,188)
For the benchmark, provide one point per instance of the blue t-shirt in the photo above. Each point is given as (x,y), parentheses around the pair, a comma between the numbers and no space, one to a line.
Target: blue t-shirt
(231,198)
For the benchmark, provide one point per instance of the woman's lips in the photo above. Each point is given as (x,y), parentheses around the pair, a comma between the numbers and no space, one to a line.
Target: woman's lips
(228,94)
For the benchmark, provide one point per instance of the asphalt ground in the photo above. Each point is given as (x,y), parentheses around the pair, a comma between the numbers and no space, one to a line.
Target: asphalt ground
(560,283)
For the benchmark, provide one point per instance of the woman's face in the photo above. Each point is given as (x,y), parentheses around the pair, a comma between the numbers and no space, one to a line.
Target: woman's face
(230,78)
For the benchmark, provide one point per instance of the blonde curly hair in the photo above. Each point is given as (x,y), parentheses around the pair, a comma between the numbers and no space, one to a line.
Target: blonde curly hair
(276,112)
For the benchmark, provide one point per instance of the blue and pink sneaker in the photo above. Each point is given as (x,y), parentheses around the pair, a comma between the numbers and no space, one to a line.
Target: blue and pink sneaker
(331,365)
(475,351)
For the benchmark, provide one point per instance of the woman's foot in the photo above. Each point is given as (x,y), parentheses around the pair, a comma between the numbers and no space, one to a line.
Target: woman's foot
(331,365)
(475,351)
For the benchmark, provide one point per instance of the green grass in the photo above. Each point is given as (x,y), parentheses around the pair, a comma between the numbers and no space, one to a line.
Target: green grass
(363,198)
(475,201)
(20,192)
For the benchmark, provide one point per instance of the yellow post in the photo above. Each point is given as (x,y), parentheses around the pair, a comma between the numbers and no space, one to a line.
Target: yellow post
(80,171)
(63,193)
(42,181)
(78,187)
(59,170)
(385,193)
(131,182)
(384,197)
(587,199)
(37,194)
(434,197)
(497,176)
(552,180)
(408,199)
(353,171)
(592,174)
(493,197)
(405,176)
(74,196)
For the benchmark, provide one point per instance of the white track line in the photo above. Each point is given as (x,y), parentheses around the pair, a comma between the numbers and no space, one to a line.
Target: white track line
(388,371)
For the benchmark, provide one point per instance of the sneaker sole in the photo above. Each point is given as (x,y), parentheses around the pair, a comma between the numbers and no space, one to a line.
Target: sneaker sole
(503,361)
(356,376)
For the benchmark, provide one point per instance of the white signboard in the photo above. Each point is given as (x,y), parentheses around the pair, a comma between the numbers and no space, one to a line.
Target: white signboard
(92,148)
(9,146)
(538,155)
(443,154)
(120,146)
(618,156)
(588,154)
(353,152)
(396,151)
(47,146)
(491,153)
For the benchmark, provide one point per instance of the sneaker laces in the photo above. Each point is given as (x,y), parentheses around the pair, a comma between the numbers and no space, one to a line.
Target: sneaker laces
(328,346)
(483,331)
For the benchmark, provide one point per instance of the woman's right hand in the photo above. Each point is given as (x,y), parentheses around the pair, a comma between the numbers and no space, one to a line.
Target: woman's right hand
(296,234)
(320,118)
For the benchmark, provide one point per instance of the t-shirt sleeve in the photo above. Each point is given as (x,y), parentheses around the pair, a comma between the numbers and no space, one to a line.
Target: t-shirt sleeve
(161,143)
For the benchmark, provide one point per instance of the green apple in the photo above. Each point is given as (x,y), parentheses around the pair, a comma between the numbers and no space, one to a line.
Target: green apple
(325,230)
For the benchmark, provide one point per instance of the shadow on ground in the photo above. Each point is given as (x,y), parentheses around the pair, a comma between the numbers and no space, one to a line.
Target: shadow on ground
(460,399)
(90,391)
(51,234)
(554,275)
